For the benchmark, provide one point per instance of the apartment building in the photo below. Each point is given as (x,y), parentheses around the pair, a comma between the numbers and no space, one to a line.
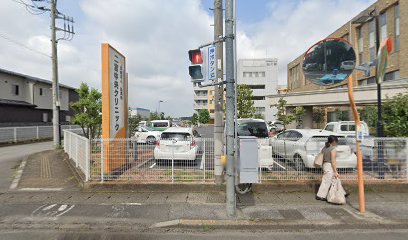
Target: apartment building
(137,111)
(261,75)
(393,23)
(27,100)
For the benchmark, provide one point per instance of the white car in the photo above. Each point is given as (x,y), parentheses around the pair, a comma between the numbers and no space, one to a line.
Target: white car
(147,135)
(178,143)
(302,145)
(347,128)
(258,128)
(347,65)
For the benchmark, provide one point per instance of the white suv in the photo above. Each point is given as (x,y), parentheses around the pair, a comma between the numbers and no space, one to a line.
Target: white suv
(178,143)
(346,128)
(145,134)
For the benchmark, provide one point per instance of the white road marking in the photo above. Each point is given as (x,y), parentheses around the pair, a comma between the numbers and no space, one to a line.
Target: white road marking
(62,208)
(16,180)
(65,211)
(153,165)
(40,189)
(52,210)
(132,204)
(49,207)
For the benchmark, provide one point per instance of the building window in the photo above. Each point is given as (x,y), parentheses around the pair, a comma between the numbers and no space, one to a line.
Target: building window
(260,109)
(371,36)
(256,74)
(41,91)
(383,26)
(258,97)
(245,74)
(397,28)
(211,110)
(262,74)
(256,86)
(391,76)
(15,89)
(360,45)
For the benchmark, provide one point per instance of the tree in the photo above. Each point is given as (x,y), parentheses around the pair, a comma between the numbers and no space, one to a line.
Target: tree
(245,104)
(258,116)
(395,116)
(194,119)
(281,114)
(88,110)
(154,116)
(204,116)
(162,116)
(298,114)
(133,123)
(318,115)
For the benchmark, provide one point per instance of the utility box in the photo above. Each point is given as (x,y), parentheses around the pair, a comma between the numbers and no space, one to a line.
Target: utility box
(248,159)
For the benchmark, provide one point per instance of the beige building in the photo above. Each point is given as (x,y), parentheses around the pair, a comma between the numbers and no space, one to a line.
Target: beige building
(393,23)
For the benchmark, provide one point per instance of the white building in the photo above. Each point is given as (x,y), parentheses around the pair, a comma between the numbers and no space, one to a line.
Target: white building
(261,75)
(142,112)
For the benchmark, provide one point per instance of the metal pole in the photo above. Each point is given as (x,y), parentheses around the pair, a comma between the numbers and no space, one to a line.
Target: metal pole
(55,86)
(380,129)
(230,109)
(218,95)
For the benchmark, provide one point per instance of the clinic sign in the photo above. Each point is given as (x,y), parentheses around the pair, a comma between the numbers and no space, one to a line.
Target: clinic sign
(211,63)
(114,105)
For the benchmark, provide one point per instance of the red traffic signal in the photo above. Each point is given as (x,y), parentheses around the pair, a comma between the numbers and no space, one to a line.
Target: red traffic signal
(195,56)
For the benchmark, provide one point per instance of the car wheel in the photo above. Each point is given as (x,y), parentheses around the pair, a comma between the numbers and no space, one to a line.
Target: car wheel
(299,164)
(243,188)
(150,140)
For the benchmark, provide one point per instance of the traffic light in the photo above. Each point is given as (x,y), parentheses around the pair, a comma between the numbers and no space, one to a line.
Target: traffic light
(196,68)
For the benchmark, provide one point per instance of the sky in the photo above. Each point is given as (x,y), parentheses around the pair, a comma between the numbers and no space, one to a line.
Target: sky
(155,36)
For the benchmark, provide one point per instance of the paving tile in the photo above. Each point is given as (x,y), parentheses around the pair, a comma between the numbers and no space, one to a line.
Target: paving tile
(197,197)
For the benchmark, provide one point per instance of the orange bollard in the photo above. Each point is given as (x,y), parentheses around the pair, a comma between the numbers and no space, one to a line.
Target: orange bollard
(361,193)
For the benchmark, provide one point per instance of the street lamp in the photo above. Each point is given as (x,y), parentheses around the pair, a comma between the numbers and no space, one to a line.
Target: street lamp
(158,109)
(373,16)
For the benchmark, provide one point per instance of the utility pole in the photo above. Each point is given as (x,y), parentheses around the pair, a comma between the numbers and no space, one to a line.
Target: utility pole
(68,31)
(230,107)
(55,85)
(218,95)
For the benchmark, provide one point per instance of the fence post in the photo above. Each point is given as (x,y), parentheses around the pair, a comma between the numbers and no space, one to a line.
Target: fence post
(15,134)
(38,135)
(204,159)
(406,156)
(102,160)
(76,151)
(172,165)
(87,159)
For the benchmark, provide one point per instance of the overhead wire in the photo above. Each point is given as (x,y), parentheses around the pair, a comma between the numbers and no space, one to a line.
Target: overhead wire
(23,45)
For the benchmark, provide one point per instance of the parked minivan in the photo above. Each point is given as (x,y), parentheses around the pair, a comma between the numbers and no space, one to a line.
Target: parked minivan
(347,128)
(160,125)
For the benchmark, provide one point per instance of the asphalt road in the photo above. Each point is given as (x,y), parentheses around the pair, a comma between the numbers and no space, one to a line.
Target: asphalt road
(211,235)
(11,156)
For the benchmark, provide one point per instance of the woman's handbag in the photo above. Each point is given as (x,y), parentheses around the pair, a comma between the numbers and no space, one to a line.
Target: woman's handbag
(336,193)
(318,162)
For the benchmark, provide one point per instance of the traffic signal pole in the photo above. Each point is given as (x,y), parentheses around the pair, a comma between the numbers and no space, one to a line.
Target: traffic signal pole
(230,108)
(218,95)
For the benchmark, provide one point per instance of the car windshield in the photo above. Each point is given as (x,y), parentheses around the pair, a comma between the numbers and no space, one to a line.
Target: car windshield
(256,129)
(148,128)
(175,136)
(160,124)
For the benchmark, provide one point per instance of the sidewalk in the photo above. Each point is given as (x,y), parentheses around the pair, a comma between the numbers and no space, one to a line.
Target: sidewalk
(48,184)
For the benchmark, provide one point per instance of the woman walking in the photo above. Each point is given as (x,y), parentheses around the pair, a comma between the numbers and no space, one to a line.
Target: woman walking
(329,167)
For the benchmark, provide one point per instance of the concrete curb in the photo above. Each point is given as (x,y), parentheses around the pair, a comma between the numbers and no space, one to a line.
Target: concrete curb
(17,178)
(280,224)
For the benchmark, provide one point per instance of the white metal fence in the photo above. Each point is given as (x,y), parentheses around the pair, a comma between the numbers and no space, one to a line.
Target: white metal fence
(78,149)
(20,134)
(164,161)
(188,160)
(384,159)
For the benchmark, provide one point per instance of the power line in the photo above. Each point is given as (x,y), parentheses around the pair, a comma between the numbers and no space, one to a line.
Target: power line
(23,45)
(33,9)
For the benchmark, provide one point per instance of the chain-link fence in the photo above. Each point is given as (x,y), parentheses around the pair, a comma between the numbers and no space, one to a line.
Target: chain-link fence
(166,160)
(21,134)
(384,159)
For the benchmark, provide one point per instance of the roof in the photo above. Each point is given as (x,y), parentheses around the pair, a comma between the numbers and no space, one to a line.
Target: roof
(319,132)
(139,109)
(16,103)
(178,130)
(31,78)
(250,120)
